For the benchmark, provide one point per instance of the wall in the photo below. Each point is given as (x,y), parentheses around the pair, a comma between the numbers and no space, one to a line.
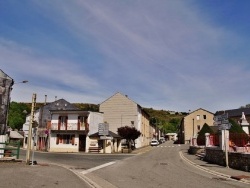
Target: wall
(63,147)
(239,161)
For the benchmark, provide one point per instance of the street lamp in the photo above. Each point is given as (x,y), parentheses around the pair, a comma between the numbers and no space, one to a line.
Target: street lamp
(24,81)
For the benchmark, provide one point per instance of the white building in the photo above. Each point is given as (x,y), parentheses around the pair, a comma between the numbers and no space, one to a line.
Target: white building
(69,130)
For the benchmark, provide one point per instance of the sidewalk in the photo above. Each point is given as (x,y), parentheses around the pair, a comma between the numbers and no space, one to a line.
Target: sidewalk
(18,174)
(220,171)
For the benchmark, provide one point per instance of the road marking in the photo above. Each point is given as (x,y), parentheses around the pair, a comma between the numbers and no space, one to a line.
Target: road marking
(97,167)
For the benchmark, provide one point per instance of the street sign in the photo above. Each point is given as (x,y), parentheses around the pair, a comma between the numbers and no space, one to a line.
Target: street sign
(222,122)
(106,138)
(224,126)
(103,129)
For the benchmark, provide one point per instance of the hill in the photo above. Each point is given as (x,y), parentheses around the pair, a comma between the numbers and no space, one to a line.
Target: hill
(167,121)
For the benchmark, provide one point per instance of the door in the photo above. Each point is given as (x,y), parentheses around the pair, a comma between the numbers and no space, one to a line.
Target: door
(82,142)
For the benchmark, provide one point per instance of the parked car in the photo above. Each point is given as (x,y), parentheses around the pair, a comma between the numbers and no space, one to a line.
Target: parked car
(162,140)
(154,143)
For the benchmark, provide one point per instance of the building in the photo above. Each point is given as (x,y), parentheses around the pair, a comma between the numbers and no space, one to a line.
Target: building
(42,117)
(120,111)
(236,115)
(6,84)
(70,130)
(193,123)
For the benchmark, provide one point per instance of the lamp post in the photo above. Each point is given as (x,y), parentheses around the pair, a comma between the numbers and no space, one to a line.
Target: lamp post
(30,129)
(24,81)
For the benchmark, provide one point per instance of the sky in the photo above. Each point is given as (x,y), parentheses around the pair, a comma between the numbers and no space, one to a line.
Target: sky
(176,55)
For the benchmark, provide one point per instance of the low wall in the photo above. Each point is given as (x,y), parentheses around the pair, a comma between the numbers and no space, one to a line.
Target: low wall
(196,149)
(239,161)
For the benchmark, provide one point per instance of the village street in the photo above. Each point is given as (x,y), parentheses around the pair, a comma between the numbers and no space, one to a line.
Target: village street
(160,166)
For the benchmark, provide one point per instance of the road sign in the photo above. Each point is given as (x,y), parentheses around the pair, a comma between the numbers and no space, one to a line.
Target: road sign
(103,129)
(222,122)
(224,126)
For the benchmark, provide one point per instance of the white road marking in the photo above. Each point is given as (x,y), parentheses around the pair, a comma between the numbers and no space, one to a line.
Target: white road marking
(97,167)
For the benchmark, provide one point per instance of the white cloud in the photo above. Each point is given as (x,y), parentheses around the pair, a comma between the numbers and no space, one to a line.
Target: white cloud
(164,53)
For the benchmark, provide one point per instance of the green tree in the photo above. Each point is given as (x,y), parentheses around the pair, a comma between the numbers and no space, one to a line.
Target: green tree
(235,128)
(17,115)
(130,134)
(201,136)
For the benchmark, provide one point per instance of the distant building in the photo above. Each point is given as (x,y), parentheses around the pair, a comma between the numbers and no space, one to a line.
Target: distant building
(119,111)
(236,115)
(193,123)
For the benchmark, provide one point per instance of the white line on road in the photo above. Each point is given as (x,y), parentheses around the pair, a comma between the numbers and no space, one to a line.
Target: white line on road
(97,167)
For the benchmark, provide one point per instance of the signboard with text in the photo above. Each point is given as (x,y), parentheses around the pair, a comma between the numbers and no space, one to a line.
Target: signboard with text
(103,129)
(222,122)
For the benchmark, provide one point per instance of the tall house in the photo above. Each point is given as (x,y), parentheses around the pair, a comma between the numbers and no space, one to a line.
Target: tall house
(120,111)
(193,123)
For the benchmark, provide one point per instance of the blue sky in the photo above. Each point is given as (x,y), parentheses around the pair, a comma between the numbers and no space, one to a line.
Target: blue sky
(174,55)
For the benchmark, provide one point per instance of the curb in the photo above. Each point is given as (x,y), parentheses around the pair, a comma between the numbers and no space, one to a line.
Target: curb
(221,175)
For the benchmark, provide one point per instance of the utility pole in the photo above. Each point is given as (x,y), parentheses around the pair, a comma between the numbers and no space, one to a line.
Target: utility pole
(30,129)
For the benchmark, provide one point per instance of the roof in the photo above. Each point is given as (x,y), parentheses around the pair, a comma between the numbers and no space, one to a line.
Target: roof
(110,134)
(234,112)
(15,134)
(128,99)
(82,112)
(197,110)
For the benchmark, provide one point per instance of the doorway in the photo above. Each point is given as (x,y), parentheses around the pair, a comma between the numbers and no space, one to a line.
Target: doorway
(82,142)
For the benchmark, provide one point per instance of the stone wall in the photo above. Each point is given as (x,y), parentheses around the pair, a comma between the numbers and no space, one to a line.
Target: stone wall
(239,161)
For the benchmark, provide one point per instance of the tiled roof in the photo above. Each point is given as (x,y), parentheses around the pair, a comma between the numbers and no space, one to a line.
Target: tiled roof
(234,112)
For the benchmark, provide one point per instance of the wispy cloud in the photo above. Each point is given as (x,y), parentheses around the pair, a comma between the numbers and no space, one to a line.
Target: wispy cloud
(163,54)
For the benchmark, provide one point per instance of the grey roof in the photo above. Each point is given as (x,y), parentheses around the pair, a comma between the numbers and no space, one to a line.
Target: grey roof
(110,134)
(234,112)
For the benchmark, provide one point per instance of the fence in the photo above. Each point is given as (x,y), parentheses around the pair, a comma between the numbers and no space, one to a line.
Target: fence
(11,149)
(213,140)
(240,139)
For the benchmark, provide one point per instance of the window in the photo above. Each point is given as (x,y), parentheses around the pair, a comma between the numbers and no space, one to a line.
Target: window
(198,127)
(198,117)
(204,117)
(80,122)
(62,122)
(65,139)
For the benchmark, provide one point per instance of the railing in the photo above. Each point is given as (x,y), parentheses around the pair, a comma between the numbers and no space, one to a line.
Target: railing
(10,149)
(213,140)
(70,126)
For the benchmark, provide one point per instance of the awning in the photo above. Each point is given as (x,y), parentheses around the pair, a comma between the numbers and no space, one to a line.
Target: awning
(15,134)
(111,134)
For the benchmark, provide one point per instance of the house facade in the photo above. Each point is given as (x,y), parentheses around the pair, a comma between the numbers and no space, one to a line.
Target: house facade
(70,130)
(42,117)
(120,111)
(193,123)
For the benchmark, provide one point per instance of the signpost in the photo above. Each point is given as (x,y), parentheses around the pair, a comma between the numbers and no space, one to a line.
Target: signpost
(224,126)
(103,129)
(103,132)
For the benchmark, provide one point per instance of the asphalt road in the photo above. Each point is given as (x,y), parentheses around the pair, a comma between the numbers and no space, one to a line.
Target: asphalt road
(155,167)
(160,167)
(75,160)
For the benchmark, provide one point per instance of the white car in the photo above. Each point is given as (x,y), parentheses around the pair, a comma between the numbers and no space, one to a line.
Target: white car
(154,143)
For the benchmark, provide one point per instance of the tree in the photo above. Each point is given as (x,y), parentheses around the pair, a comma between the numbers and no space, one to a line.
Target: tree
(201,136)
(130,134)
(17,115)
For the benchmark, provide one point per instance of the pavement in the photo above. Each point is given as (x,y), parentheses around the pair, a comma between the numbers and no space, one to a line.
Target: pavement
(15,173)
